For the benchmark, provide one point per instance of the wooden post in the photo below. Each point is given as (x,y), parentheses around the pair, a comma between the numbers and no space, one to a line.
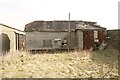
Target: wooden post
(69,34)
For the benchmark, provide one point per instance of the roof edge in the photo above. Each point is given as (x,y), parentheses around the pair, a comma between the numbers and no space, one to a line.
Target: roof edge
(10,27)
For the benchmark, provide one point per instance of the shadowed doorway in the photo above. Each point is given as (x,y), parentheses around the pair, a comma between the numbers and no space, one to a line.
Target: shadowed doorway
(5,43)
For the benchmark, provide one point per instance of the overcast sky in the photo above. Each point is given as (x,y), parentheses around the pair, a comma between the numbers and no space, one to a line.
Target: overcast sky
(17,13)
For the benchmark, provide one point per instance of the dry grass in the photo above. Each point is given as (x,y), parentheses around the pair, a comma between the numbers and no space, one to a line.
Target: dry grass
(82,64)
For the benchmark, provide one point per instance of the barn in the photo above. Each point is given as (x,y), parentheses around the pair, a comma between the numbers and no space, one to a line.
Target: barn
(11,39)
(50,35)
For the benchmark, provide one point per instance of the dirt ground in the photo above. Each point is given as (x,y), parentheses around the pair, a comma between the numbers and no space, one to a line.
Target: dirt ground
(82,64)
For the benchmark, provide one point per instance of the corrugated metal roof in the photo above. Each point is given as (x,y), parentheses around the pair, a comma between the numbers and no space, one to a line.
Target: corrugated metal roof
(58,25)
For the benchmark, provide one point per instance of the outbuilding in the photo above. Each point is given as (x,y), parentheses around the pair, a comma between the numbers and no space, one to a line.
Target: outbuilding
(42,35)
(11,39)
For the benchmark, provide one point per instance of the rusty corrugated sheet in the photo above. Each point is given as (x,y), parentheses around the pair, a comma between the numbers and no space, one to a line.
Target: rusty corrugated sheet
(101,36)
(88,39)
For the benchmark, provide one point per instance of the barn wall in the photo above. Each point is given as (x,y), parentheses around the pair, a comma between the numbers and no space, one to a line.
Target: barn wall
(38,40)
(81,39)
(79,36)
(73,43)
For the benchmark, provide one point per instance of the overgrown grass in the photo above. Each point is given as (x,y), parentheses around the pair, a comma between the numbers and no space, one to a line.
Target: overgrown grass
(76,64)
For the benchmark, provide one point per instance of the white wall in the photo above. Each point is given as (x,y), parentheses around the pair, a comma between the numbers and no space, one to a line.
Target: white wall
(0,40)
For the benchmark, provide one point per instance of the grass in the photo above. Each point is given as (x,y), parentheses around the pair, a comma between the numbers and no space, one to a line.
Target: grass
(76,64)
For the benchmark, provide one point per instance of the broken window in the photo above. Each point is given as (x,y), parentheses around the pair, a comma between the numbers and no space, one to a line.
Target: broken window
(47,43)
(96,36)
(64,43)
(57,42)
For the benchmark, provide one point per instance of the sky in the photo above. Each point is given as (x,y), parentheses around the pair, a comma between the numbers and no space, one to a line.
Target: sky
(17,13)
